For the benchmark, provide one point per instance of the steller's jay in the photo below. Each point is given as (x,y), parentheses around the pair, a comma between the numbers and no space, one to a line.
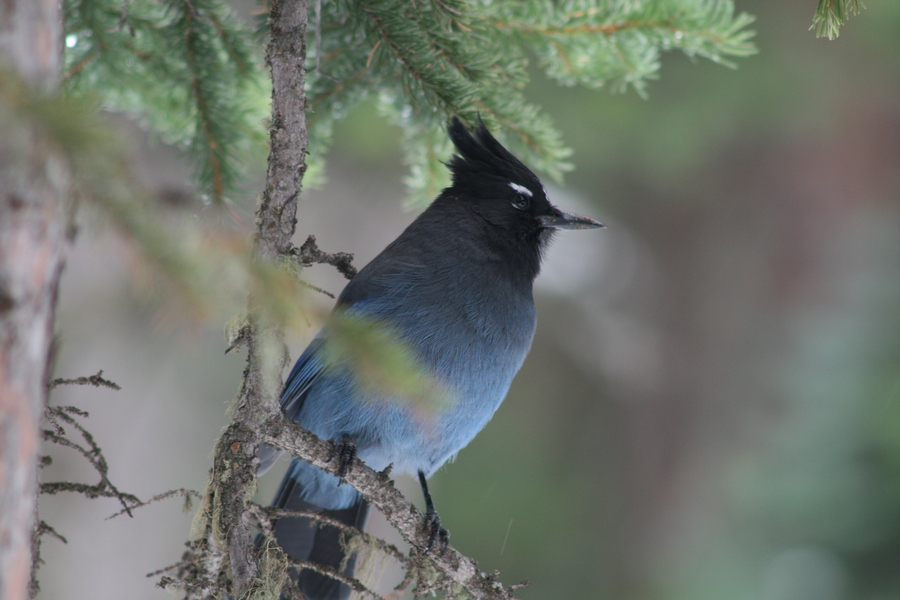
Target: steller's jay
(456,286)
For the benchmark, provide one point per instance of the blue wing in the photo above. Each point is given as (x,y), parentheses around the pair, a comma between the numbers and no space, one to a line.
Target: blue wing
(311,364)
(307,370)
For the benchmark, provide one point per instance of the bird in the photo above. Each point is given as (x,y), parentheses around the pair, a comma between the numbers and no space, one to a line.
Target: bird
(456,288)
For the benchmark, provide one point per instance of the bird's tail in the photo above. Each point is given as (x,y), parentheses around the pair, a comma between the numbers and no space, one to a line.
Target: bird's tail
(306,540)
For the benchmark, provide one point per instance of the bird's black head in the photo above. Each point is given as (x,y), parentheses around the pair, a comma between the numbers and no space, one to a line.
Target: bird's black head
(503,191)
(500,188)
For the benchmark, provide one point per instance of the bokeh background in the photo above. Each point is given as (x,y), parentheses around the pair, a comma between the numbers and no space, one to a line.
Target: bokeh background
(711,409)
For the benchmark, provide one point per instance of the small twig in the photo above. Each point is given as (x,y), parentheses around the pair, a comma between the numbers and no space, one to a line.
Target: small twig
(273,513)
(94,380)
(40,529)
(101,490)
(315,288)
(309,254)
(56,416)
(241,338)
(188,494)
(355,584)
(44,529)
(266,517)
(93,454)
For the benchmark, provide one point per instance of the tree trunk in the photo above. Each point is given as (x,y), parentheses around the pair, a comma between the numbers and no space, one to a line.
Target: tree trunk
(34,238)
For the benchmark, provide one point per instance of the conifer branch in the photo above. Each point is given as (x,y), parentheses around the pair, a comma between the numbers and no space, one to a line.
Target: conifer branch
(185,66)
(580,29)
(831,14)
(428,60)
(205,123)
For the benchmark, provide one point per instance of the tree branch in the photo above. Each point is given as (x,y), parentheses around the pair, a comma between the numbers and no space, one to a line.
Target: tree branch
(309,254)
(453,568)
(94,380)
(227,536)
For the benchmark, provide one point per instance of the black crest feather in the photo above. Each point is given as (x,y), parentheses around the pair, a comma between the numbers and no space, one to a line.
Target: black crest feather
(480,157)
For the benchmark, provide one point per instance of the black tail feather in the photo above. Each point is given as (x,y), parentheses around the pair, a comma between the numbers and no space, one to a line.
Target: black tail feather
(304,539)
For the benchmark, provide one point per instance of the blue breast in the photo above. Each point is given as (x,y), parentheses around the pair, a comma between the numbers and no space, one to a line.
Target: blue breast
(473,339)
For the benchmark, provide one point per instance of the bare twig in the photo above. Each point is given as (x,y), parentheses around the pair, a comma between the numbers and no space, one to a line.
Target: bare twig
(272,513)
(266,518)
(309,254)
(90,451)
(41,529)
(60,417)
(94,380)
(188,495)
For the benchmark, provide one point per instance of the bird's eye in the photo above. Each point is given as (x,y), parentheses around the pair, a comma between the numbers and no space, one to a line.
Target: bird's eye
(521,201)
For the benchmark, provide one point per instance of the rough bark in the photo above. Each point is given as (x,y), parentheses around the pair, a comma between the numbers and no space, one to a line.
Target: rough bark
(234,471)
(34,237)
(285,55)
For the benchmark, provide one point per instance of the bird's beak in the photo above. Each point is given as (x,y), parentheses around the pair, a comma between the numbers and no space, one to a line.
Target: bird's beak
(567,220)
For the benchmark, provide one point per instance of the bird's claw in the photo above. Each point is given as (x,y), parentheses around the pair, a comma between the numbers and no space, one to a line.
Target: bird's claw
(436,532)
(345,453)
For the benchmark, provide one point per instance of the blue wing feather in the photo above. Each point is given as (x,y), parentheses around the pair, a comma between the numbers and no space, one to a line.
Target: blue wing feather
(307,370)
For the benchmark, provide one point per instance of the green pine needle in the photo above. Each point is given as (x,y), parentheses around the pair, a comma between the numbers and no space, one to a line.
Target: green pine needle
(831,14)
(184,68)
(189,69)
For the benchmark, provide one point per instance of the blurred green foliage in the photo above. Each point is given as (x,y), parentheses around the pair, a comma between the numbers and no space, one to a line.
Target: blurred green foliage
(831,14)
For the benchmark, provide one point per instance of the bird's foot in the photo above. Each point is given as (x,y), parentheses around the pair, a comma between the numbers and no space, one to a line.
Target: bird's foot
(437,535)
(345,453)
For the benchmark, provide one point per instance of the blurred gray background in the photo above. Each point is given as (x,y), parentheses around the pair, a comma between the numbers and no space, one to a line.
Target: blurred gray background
(711,409)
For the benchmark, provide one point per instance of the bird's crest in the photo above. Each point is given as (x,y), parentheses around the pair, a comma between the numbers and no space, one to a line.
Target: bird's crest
(479,157)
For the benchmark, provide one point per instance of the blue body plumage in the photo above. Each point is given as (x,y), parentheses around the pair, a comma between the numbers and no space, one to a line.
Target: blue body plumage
(456,286)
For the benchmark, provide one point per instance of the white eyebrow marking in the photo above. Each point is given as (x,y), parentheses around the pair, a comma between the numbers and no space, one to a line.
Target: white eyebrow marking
(521,189)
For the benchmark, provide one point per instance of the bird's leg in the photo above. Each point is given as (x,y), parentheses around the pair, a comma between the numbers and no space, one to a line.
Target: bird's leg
(345,453)
(432,520)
